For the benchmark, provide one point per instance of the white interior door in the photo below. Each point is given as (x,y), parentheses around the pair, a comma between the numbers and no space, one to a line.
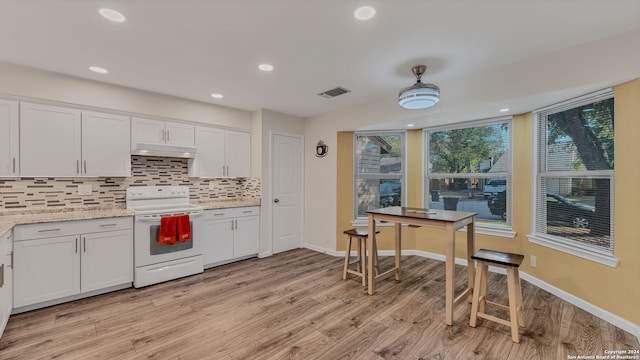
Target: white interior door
(286,180)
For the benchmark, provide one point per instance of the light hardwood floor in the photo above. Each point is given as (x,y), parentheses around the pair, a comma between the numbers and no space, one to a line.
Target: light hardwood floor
(295,305)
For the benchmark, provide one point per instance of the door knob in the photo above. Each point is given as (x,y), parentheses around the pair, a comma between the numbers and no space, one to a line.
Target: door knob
(276,200)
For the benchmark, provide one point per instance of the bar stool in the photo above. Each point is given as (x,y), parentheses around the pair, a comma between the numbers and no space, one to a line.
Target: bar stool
(511,262)
(361,263)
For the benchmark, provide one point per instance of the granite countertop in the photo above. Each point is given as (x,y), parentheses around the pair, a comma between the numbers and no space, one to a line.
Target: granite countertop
(208,204)
(10,218)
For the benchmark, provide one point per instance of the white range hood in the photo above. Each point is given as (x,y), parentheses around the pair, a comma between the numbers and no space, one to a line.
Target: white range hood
(163,150)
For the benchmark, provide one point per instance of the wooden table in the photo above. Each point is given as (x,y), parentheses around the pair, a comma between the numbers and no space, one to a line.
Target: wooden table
(450,221)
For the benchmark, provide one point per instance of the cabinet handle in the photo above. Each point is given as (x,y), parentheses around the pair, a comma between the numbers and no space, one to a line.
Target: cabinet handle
(14,165)
(84,240)
(2,276)
(232,225)
(163,136)
(247,211)
(76,245)
(218,214)
(168,136)
(105,225)
(11,266)
(47,230)
(85,166)
(78,166)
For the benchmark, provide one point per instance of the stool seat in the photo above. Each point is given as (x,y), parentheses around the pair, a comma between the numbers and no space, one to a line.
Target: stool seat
(361,265)
(498,257)
(510,262)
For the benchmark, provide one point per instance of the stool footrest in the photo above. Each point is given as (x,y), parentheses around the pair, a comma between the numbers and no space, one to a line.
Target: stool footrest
(496,305)
(493,318)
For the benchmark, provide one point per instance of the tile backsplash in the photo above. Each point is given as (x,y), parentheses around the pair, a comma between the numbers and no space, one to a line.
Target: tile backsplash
(49,193)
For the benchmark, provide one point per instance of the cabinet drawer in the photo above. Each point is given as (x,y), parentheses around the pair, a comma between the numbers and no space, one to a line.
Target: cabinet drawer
(64,228)
(231,212)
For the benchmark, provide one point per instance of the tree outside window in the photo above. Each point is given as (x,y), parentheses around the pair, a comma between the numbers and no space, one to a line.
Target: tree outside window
(575,173)
(469,169)
(379,169)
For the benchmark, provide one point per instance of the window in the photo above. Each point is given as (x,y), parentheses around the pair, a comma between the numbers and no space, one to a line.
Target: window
(574,184)
(379,171)
(469,169)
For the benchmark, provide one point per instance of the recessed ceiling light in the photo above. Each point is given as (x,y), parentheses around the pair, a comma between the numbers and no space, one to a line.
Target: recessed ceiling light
(217,96)
(364,13)
(265,67)
(97,69)
(410,125)
(504,110)
(112,15)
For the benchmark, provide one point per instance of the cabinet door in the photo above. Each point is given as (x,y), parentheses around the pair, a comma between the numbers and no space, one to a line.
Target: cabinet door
(105,144)
(50,143)
(238,154)
(106,259)
(9,135)
(147,131)
(217,236)
(180,134)
(45,269)
(6,280)
(210,159)
(247,236)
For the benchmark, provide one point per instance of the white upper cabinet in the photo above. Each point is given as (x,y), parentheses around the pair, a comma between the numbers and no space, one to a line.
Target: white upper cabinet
(50,143)
(9,136)
(180,134)
(57,141)
(221,153)
(105,144)
(238,154)
(159,132)
(210,160)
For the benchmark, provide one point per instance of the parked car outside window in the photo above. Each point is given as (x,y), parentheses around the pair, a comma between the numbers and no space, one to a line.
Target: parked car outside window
(560,210)
(494,186)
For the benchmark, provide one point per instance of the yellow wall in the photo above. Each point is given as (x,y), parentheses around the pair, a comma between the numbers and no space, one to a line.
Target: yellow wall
(613,289)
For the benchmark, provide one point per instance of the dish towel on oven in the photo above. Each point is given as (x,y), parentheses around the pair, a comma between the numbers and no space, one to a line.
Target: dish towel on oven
(184,228)
(167,233)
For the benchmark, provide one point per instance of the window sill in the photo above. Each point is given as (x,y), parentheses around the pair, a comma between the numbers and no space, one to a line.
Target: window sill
(572,250)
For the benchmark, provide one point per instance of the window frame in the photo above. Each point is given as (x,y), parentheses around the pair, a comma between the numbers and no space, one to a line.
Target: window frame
(362,220)
(505,230)
(567,245)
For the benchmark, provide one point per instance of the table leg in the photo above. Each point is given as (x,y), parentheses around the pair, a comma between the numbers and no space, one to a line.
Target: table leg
(398,245)
(470,252)
(370,273)
(450,263)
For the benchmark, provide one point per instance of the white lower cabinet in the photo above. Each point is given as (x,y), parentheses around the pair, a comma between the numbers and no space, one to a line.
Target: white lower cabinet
(230,234)
(6,280)
(57,260)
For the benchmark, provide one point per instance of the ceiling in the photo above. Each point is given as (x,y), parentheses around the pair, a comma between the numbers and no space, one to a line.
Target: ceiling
(193,48)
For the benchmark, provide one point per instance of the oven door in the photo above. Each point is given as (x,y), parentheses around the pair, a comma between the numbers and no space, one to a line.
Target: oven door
(148,250)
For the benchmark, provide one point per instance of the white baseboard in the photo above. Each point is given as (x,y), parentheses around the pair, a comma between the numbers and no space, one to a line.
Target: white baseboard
(605,315)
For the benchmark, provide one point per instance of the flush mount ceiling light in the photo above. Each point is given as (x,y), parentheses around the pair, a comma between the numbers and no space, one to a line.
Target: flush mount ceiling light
(504,110)
(265,67)
(217,96)
(419,95)
(97,69)
(112,15)
(364,13)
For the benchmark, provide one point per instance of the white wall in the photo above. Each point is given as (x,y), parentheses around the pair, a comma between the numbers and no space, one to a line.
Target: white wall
(271,121)
(23,82)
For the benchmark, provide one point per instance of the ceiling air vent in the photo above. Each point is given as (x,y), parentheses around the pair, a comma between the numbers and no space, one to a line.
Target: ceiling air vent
(334,92)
